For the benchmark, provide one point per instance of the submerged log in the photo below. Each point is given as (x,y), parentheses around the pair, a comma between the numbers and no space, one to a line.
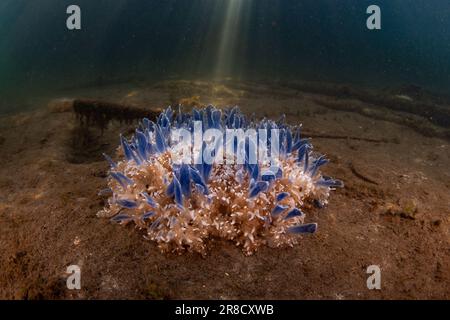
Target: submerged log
(88,139)
(100,113)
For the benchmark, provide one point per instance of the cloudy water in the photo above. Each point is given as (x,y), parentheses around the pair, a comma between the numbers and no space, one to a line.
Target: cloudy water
(272,40)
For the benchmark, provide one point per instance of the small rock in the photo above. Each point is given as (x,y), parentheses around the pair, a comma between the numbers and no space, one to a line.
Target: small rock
(406,209)
(437,223)
(409,207)
(76,241)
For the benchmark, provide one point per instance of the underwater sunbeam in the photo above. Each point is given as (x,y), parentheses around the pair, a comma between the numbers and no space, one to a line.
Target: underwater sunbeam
(233,23)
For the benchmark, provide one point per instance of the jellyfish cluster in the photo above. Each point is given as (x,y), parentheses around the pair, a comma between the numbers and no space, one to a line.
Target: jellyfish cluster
(183,205)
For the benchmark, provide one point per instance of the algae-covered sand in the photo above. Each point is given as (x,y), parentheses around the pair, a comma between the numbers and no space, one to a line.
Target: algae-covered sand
(393,211)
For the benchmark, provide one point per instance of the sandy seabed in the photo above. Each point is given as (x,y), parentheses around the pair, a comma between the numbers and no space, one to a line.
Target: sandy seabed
(393,212)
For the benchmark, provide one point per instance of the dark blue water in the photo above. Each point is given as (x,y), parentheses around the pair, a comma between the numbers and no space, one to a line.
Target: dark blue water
(258,39)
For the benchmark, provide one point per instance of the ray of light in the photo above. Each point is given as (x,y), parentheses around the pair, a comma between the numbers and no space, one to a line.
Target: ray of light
(232,30)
